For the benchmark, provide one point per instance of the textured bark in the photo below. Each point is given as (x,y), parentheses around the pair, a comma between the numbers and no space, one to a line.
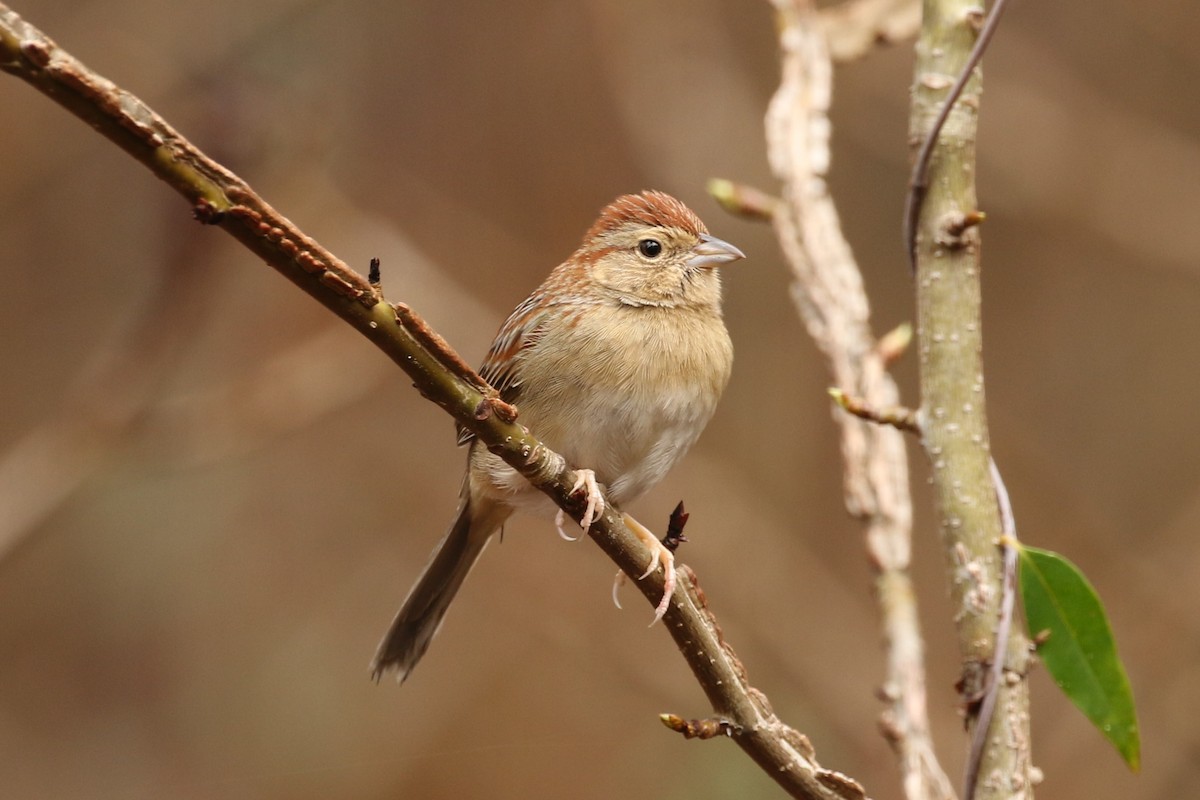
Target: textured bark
(953,420)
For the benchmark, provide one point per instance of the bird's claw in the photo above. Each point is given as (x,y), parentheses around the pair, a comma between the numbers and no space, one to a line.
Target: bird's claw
(560,519)
(584,479)
(658,555)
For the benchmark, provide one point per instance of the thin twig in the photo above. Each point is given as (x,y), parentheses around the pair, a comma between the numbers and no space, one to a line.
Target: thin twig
(742,200)
(1008,540)
(918,181)
(894,343)
(228,202)
(899,417)
(698,728)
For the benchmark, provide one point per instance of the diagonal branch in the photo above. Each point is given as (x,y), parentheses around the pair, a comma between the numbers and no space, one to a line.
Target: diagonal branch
(222,199)
(832,302)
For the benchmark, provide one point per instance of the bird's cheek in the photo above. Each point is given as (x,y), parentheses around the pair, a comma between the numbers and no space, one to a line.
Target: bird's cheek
(665,283)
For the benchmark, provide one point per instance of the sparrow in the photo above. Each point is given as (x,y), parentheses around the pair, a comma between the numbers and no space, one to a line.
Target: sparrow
(616,362)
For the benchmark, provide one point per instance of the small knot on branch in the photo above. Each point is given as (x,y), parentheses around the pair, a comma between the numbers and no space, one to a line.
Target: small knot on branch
(889,728)
(974,18)
(206,213)
(954,225)
(491,403)
(699,728)
(38,52)
(972,687)
(842,785)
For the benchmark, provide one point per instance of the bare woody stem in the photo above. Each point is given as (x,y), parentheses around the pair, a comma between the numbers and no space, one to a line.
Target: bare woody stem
(832,302)
(899,417)
(222,199)
(954,423)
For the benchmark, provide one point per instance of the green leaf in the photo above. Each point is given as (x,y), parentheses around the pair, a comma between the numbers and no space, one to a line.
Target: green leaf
(1080,652)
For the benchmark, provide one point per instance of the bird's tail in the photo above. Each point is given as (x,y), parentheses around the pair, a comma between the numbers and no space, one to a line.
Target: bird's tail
(421,615)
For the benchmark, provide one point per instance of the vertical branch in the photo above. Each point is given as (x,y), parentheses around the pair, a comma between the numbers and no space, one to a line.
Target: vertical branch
(954,422)
(832,302)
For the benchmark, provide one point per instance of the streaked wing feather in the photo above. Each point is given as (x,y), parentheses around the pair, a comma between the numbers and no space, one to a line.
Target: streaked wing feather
(500,368)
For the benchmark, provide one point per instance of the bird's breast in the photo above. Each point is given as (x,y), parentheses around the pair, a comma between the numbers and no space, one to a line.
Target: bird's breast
(626,391)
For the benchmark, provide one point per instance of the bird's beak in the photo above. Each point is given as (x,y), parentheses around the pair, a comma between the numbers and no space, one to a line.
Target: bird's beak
(713,252)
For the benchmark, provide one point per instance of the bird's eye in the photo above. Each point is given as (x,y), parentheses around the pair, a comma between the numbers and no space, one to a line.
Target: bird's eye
(650,248)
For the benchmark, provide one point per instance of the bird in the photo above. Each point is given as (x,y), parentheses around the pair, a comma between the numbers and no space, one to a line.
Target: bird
(616,362)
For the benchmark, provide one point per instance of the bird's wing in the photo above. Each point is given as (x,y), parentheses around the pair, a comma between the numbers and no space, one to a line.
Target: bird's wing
(502,366)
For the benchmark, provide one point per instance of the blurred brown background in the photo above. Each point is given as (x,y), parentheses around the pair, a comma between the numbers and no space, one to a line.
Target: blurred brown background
(226,493)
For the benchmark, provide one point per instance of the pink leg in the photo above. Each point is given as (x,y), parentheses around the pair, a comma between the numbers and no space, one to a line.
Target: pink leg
(658,555)
(584,479)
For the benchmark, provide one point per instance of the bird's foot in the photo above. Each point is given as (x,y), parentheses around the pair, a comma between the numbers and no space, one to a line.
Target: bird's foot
(659,554)
(584,479)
